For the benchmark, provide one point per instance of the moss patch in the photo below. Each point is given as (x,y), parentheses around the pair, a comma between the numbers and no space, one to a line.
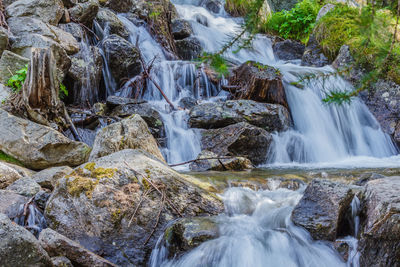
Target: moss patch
(6,158)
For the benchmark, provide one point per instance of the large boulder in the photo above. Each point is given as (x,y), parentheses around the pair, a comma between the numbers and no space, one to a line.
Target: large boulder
(258,82)
(208,160)
(288,50)
(10,62)
(181,29)
(25,186)
(120,6)
(84,12)
(123,57)
(240,139)
(322,209)
(188,48)
(85,88)
(49,11)
(129,133)
(8,175)
(380,232)
(150,115)
(58,245)
(38,146)
(313,55)
(10,203)
(18,247)
(119,205)
(111,23)
(24,26)
(270,117)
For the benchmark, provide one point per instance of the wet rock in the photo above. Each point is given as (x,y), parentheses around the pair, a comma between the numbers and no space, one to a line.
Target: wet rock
(123,57)
(119,5)
(379,242)
(270,117)
(322,209)
(181,29)
(369,176)
(115,101)
(38,146)
(48,178)
(25,186)
(344,58)
(188,48)
(73,28)
(10,62)
(288,50)
(58,245)
(61,261)
(290,184)
(10,202)
(383,100)
(3,40)
(188,233)
(150,115)
(213,5)
(41,199)
(49,11)
(99,200)
(18,247)
(84,12)
(343,249)
(262,83)
(129,133)
(241,139)
(187,102)
(111,23)
(7,175)
(209,161)
(313,55)
(86,87)
(23,26)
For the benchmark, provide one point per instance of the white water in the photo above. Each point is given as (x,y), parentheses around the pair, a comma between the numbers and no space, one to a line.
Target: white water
(256,230)
(30,217)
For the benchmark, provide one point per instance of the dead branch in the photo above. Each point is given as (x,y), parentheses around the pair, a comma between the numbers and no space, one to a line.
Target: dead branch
(144,194)
(158,218)
(194,160)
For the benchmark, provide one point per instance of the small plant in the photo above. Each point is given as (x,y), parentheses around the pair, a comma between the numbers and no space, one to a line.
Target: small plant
(18,79)
(296,23)
(63,91)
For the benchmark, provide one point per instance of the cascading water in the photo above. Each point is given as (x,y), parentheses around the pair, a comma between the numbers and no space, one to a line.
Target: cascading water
(31,218)
(256,230)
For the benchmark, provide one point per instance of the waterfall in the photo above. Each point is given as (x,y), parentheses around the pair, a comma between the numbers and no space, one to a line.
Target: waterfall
(30,217)
(256,230)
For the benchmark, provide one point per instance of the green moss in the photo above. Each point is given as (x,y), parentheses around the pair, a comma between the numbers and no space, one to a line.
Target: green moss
(103,173)
(90,166)
(9,159)
(78,185)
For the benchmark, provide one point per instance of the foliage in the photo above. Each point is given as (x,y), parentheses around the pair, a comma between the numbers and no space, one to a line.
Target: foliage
(239,7)
(296,23)
(18,79)
(6,158)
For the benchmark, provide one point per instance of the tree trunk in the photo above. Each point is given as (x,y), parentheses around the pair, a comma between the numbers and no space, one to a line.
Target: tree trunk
(41,88)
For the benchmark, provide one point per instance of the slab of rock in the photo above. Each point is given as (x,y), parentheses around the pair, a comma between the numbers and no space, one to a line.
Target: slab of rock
(10,62)
(123,57)
(258,82)
(48,178)
(38,146)
(5,93)
(84,12)
(288,50)
(61,261)
(49,11)
(18,247)
(207,161)
(8,175)
(181,29)
(10,202)
(111,23)
(380,233)
(322,209)
(25,187)
(129,133)
(96,205)
(313,55)
(241,139)
(188,233)
(58,245)
(270,117)
(188,48)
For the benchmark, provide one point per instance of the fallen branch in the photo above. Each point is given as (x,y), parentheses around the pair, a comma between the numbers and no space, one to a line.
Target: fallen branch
(194,160)
(144,194)
(158,218)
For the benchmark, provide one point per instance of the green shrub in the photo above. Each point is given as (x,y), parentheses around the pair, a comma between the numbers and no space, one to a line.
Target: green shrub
(17,80)
(238,7)
(296,23)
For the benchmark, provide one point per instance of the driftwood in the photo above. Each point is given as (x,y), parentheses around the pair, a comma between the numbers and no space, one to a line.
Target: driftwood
(195,160)
(39,96)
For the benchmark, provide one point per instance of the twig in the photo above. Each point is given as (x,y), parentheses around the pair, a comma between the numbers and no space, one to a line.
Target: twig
(158,218)
(72,126)
(194,160)
(144,194)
